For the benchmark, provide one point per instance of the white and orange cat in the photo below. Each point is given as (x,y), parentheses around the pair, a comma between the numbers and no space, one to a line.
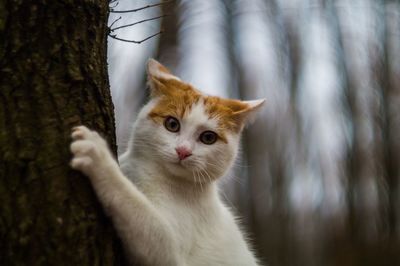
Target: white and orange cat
(163,197)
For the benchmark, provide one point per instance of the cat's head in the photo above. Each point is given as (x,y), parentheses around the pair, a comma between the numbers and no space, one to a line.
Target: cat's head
(191,135)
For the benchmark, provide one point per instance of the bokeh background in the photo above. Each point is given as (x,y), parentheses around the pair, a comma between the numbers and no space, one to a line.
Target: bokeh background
(317,182)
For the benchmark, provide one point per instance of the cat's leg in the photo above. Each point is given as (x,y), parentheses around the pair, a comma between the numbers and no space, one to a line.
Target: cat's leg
(144,232)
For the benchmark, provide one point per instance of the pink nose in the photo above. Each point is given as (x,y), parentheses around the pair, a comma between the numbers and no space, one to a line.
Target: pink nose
(183,152)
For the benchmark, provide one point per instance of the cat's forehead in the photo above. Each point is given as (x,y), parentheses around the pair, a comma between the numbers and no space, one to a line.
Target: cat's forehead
(196,108)
(197,115)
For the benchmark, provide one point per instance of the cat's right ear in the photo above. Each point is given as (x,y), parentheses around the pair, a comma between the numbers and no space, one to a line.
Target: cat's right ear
(157,77)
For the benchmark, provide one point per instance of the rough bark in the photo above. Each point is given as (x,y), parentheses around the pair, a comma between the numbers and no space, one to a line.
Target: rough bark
(53,76)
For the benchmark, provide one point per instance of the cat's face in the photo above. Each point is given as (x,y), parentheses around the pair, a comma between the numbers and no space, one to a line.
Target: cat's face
(193,136)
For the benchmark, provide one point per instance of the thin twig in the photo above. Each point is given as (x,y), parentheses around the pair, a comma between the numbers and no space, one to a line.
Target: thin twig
(112,24)
(137,22)
(140,8)
(133,41)
(116,4)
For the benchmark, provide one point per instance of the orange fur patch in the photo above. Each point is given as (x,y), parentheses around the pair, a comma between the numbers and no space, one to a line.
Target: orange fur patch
(226,111)
(177,98)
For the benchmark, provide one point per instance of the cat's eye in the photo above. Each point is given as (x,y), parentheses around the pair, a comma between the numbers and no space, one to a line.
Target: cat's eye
(172,124)
(208,137)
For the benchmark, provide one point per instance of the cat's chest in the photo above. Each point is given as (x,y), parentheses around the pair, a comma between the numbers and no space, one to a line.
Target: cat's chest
(192,222)
(205,236)
(188,218)
(204,228)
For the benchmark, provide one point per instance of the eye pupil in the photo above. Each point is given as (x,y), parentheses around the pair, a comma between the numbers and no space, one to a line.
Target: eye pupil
(208,137)
(172,124)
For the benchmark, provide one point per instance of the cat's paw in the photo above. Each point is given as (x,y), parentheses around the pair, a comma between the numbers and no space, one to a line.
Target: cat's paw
(91,154)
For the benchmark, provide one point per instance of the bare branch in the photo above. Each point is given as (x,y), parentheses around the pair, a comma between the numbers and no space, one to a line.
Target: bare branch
(137,22)
(133,41)
(112,24)
(140,8)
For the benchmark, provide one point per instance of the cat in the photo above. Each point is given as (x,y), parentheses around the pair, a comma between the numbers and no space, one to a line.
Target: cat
(163,198)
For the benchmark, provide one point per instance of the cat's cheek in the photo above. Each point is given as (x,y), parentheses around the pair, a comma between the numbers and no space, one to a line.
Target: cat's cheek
(222,158)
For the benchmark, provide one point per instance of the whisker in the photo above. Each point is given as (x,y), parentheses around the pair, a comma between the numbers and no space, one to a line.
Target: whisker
(227,199)
(239,164)
(200,179)
(208,175)
(237,179)
(219,167)
(194,176)
(234,177)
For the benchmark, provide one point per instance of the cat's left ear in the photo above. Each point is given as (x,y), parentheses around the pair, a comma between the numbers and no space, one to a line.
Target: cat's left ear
(157,76)
(248,112)
(158,71)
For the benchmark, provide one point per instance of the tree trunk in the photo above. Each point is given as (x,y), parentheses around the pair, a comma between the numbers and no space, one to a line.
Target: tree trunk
(53,76)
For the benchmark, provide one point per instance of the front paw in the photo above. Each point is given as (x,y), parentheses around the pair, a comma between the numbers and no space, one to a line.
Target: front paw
(91,154)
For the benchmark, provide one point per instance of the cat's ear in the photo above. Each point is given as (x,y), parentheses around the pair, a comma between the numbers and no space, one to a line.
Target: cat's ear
(158,71)
(248,110)
(157,77)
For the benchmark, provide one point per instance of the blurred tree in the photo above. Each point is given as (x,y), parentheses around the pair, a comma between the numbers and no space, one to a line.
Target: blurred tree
(53,76)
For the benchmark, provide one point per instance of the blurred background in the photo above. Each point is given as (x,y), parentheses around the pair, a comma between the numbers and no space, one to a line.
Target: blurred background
(317,182)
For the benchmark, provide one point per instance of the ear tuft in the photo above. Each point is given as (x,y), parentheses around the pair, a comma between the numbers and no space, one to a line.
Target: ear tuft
(158,71)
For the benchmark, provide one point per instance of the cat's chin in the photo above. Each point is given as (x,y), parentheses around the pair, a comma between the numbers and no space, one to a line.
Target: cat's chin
(187,173)
(178,169)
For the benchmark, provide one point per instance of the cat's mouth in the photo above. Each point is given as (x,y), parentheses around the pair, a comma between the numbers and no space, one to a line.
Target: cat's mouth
(178,168)
(185,164)
(180,163)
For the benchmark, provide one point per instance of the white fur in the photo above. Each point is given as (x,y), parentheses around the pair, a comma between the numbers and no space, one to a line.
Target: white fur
(165,212)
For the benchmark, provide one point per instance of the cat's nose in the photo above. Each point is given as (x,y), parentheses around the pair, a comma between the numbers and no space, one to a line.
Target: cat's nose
(183,152)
